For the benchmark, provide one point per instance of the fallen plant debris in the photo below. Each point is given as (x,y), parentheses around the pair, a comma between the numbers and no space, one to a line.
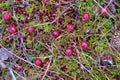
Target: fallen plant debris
(59,40)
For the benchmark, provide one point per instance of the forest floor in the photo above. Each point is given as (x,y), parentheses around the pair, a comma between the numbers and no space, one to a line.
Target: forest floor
(59,40)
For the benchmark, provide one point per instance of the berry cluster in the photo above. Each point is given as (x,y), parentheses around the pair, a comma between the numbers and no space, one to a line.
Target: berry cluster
(55,34)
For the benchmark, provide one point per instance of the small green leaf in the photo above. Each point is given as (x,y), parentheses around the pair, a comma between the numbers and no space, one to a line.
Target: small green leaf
(29,41)
(89,3)
(32,23)
(118,74)
(74,74)
(31,55)
(5,72)
(18,17)
(78,71)
(5,5)
(36,79)
(118,11)
(47,28)
(30,9)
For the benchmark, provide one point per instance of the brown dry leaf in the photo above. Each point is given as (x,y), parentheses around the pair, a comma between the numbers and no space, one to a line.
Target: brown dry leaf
(112,8)
(2,65)
(115,40)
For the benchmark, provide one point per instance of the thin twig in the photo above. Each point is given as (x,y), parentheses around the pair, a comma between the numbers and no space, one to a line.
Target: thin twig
(12,74)
(47,69)
(19,75)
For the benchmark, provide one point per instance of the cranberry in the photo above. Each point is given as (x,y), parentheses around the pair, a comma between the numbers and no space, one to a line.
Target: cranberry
(103,11)
(70,78)
(70,28)
(56,34)
(38,62)
(86,17)
(69,52)
(6,16)
(84,45)
(31,29)
(18,68)
(12,29)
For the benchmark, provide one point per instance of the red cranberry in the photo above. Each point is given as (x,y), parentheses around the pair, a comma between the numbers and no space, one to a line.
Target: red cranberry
(6,16)
(18,68)
(12,29)
(31,29)
(86,17)
(56,34)
(84,45)
(70,78)
(104,11)
(69,52)
(70,28)
(38,62)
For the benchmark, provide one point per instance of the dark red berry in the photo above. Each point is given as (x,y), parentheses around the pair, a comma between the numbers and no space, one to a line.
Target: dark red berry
(69,52)
(12,29)
(70,78)
(104,11)
(70,28)
(86,17)
(38,62)
(6,16)
(18,68)
(56,34)
(84,45)
(31,29)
